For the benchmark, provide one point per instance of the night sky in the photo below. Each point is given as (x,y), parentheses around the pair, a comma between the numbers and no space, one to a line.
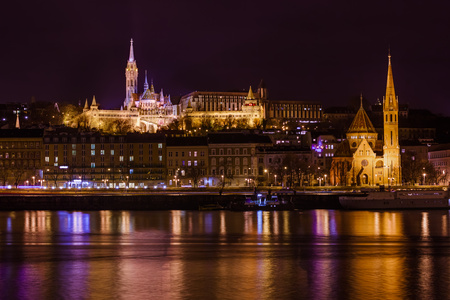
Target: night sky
(327,51)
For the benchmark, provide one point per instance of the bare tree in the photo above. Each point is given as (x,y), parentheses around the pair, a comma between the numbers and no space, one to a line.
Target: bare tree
(4,174)
(17,174)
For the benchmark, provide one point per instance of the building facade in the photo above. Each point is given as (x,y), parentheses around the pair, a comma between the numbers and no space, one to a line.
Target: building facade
(88,159)
(362,159)
(187,162)
(21,157)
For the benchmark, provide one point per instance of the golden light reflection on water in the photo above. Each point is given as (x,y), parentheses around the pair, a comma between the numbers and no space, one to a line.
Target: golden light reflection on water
(318,254)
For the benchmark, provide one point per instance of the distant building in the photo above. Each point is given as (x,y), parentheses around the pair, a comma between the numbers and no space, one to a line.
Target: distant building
(233,157)
(439,157)
(145,112)
(187,161)
(21,156)
(88,159)
(227,108)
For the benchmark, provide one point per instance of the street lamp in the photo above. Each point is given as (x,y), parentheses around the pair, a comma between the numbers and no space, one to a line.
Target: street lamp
(268,174)
(32,177)
(275,179)
(325,183)
(424,175)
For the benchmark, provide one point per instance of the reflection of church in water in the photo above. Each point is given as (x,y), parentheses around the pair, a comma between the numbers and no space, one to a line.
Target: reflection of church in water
(362,159)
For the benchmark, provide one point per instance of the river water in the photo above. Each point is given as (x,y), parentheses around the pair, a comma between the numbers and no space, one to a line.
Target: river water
(316,254)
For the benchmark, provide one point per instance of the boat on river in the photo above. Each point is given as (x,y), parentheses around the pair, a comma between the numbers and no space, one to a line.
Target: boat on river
(414,199)
(263,202)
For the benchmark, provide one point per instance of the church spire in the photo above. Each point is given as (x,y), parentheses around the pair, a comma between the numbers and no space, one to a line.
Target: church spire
(146,82)
(131,58)
(17,121)
(152,88)
(250,95)
(390,100)
(86,106)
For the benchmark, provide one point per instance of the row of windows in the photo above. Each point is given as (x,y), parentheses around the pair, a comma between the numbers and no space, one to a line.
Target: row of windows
(237,161)
(229,151)
(189,153)
(12,145)
(184,163)
(20,155)
(20,163)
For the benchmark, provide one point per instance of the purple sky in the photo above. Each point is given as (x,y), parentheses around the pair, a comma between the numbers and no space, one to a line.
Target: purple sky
(327,51)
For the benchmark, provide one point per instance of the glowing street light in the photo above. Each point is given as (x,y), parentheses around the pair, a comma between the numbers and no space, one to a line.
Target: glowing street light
(424,175)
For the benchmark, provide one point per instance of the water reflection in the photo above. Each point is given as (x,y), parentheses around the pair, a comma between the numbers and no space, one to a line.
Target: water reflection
(318,254)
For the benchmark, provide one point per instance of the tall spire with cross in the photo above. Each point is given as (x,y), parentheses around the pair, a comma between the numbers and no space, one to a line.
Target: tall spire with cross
(391,148)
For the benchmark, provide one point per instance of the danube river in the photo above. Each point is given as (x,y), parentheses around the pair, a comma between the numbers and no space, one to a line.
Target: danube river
(316,254)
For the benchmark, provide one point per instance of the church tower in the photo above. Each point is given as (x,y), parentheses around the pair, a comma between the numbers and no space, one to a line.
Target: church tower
(391,149)
(131,75)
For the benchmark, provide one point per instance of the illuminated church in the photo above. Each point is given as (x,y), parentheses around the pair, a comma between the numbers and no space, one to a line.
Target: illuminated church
(362,159)
(144,112)
(149,111)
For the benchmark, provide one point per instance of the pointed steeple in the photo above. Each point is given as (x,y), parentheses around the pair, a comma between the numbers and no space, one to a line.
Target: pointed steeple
(390,100)
(250,95)
(86,106)
(360,99)
(94,103)
(131,58)
(161,96)
(146,82)
(152,88)
(17,121)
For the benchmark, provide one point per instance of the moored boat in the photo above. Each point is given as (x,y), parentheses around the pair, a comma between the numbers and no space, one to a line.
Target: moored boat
(414,199)
(261,202)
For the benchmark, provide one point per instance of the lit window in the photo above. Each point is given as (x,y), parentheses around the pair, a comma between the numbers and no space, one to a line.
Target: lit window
(102,152)
(112,152)
(159,146)
(120,158)
(92,146)
(93,165)
(74,152)
(92,152)
(160,158)
(47,159)
(195,153)
(131,158)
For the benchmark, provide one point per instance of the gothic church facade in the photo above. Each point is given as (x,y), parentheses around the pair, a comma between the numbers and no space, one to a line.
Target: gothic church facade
(364,160)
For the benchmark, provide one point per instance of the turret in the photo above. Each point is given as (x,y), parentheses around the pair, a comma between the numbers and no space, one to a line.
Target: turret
(86,106)
(94,104)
